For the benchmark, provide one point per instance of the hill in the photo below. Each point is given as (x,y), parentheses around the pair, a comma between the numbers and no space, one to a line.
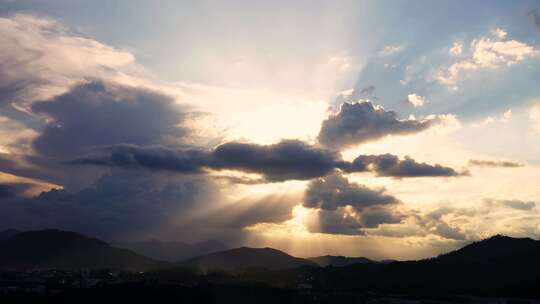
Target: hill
(498,266)
(247,258)
(6,234)
(55,249)
(173,251)
(339,261)
(498,248)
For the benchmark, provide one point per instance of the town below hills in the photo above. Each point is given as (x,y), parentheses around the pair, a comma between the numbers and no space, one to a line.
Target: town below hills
(55,263)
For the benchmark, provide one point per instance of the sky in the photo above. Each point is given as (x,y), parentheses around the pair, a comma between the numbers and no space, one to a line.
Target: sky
(385,129)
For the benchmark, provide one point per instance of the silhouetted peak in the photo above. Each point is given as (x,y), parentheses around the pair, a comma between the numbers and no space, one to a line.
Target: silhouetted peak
(173,251)
(505,238)
(55,237)
(493,248)
(248,257)
(339,261)
(56,249)
(10,231)
(6,234)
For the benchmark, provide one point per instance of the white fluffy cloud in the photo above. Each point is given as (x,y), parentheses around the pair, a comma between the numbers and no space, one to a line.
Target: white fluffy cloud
(456,49)
(488,52)
(40,58)
(416,101)
(504,118)
(391,49)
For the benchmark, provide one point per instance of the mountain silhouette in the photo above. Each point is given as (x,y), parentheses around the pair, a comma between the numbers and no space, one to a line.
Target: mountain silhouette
(339,261)
(498,248)
(6,234)
(497,266)
(247,258)
(500,265)
(173,251)
(55,249)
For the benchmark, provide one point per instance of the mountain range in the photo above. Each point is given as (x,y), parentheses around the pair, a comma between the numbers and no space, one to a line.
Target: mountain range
(55,249)
(339,261)
(497,265)
(247,258)
(173,251)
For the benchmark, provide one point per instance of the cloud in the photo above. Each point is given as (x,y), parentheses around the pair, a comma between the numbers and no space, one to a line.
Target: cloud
(456,49)
(334,191)
(502,118)
(136,205)
(535,17)
(154,158)
(471,222)
(512,204)
(442,222)
(376,216)
(290,159)
(487,53)
(335,222)
(14,136)
(494,163)
(13,190)
(40,58)
(499,33)
(348,208)
(369,90)
(362,122)
(391,165)
(391,50)
(96,114)
(448,232)
(116,206)
(343,222)
(517,204)
(416,101)
(286,160)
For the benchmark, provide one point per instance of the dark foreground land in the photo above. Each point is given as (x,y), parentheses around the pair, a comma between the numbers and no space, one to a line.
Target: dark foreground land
(144,293)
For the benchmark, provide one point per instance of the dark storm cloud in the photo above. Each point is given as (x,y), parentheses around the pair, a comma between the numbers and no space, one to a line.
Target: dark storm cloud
(361,122)
(286,160)
(376,216)
(117,205)
(334,222)
(491,163)
(33,167)
(290,159)
(97,114)
(339,222)
(13,190)
(391,165)
(154,158)
(334,191)
(7,191)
